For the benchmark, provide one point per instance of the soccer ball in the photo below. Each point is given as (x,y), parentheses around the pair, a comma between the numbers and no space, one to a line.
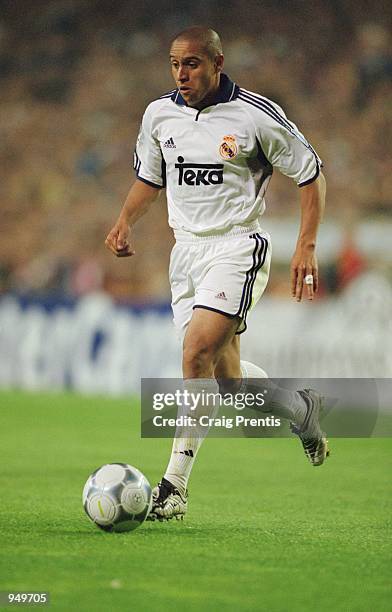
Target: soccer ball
(117,497)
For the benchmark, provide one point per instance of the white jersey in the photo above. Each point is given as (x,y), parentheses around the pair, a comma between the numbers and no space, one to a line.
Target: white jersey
(216,163)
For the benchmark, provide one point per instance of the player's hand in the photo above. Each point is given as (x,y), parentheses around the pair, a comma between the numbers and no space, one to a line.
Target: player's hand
(304,263)
(117,240)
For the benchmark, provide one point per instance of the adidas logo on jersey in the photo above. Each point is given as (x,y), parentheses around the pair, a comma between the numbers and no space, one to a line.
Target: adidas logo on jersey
(221,295)
(169,144)
(199,174)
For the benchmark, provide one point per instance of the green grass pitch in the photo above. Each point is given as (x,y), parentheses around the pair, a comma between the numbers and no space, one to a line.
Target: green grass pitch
(265,530)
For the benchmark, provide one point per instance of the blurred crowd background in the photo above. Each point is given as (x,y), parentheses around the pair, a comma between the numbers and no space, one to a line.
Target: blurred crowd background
(75,78)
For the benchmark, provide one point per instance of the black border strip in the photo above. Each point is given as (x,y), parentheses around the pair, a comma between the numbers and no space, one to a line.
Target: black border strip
(143,180)
(257,265)
(261,259)
(311,180)
(248,274)
(266,104)
(259,104)
(135,160)
(261,247)
(269,109)
(227,314)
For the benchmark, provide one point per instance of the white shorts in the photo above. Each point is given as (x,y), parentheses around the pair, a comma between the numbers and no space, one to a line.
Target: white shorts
(226,274)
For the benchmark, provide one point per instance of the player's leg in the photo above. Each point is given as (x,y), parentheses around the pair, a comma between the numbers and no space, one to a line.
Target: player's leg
(211,351)
(208,338)
(301,408)
(233,374)
(228,371)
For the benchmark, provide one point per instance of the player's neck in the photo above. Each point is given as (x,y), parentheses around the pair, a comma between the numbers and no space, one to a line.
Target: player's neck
(210,98)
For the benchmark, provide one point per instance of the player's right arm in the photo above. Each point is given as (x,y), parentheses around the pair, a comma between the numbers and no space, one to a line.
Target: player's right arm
(149,167)
(138,200)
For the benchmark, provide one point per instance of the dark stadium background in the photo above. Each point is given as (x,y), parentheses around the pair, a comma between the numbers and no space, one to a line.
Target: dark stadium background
(75,78)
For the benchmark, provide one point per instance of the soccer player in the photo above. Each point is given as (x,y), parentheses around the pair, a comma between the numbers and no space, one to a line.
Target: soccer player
(213,146)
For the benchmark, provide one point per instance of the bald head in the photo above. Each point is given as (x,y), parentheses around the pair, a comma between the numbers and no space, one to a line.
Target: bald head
(196,62)
(208,39)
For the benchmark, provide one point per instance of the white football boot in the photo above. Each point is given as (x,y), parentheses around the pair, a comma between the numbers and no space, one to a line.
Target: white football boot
(313,440)
(167,502)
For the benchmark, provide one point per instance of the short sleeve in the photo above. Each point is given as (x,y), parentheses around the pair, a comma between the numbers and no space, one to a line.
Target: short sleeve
(286,148)
(148,160)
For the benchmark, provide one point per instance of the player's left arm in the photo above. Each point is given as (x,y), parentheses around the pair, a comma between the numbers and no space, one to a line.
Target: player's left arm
(287,150)
(304,261)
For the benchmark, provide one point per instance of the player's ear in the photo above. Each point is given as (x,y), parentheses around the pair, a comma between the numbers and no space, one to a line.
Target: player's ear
(219,59)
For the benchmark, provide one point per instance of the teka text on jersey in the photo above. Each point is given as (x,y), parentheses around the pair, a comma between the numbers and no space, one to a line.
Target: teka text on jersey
(199,174)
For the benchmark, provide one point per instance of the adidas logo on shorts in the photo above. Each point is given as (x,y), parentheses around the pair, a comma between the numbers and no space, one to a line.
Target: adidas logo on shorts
(221,295)
(169,144)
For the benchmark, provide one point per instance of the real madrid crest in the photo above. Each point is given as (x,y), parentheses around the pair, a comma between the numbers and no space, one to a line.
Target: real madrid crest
(228,149)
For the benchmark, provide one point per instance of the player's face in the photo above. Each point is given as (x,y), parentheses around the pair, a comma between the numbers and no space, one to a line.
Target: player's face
(195,73)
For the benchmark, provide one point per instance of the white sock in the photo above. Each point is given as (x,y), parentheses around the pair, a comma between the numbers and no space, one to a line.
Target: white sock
(251,370)
(286,404)
(188,440)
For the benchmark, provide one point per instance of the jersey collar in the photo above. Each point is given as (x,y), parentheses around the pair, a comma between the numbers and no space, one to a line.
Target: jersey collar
(228,91)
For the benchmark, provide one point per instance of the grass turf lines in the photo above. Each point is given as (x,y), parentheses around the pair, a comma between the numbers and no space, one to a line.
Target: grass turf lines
(265,530)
